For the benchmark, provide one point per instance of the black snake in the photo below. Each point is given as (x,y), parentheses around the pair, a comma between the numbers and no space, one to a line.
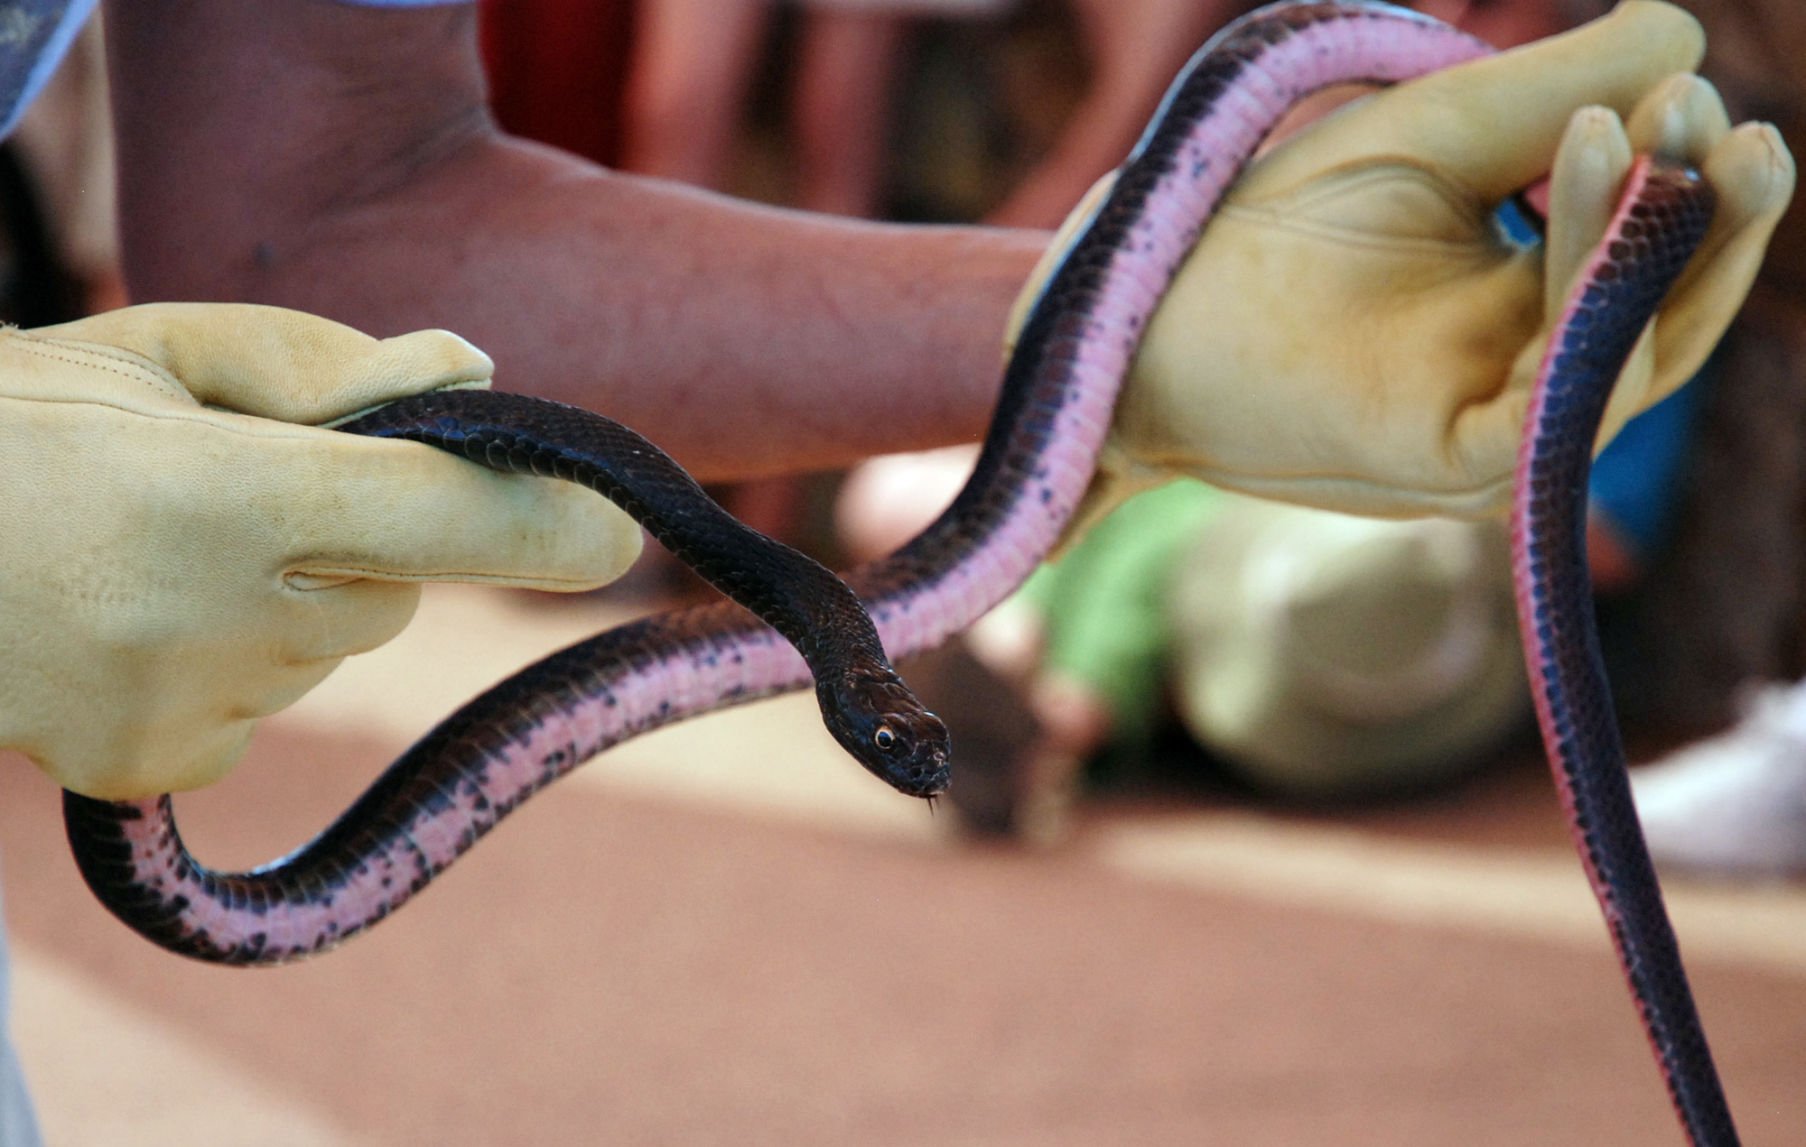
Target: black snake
(1056,401)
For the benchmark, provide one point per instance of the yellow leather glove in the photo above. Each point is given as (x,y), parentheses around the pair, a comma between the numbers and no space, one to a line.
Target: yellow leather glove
(1353,333)
(177,564)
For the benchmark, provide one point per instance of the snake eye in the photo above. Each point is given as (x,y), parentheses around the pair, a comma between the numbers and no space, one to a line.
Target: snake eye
(885,738)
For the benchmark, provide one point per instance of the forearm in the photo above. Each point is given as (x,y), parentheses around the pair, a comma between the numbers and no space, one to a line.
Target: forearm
(743,340)
(746,340)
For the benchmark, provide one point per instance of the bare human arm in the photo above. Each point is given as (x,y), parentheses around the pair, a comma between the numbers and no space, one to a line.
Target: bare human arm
(341,161)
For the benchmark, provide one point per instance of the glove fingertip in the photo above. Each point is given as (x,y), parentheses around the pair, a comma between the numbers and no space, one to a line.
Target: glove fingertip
(1753,172)
(418,362)
(1590,166)
(1682,118)
(439,353)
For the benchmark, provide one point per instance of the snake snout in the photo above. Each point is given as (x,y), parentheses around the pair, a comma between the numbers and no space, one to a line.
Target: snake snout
(933,774)
(927,769)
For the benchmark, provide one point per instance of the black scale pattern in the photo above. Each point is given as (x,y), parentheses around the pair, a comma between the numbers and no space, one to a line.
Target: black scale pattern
(1663,227)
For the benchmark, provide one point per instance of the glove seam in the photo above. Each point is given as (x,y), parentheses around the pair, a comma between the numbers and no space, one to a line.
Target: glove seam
(462,577)
(161,383)
(197,415)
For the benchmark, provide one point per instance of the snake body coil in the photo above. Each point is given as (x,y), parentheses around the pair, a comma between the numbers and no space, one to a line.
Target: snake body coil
(1056,401)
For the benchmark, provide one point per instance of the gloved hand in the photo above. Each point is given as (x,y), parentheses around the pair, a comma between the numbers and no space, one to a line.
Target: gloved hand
(1353,333)
(177,565)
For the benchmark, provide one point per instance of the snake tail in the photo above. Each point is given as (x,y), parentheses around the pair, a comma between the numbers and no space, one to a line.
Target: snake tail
(1662,217)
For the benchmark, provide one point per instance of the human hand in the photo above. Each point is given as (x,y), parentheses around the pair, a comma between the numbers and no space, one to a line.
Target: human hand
(182,559)
(1353,332)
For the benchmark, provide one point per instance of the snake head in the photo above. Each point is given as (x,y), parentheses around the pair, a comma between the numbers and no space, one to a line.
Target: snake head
(880,722)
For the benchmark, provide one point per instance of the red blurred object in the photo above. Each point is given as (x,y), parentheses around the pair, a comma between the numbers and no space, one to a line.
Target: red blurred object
(558,69)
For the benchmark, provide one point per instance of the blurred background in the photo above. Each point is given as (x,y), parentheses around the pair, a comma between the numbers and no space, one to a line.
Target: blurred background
(1149,915)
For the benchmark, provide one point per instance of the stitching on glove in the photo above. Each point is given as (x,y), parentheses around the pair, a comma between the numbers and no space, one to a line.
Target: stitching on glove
(84,355)
(340,575)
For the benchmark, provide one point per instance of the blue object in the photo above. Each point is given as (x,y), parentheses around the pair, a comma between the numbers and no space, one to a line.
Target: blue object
(1637,480)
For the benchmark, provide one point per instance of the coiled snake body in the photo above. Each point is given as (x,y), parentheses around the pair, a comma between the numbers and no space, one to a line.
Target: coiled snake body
(1056,401)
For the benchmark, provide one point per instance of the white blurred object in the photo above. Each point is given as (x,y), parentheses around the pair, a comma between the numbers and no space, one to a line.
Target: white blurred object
(1734,804)
(887,500)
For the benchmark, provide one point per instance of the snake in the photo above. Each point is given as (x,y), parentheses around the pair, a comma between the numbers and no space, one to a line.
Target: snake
(789,622)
